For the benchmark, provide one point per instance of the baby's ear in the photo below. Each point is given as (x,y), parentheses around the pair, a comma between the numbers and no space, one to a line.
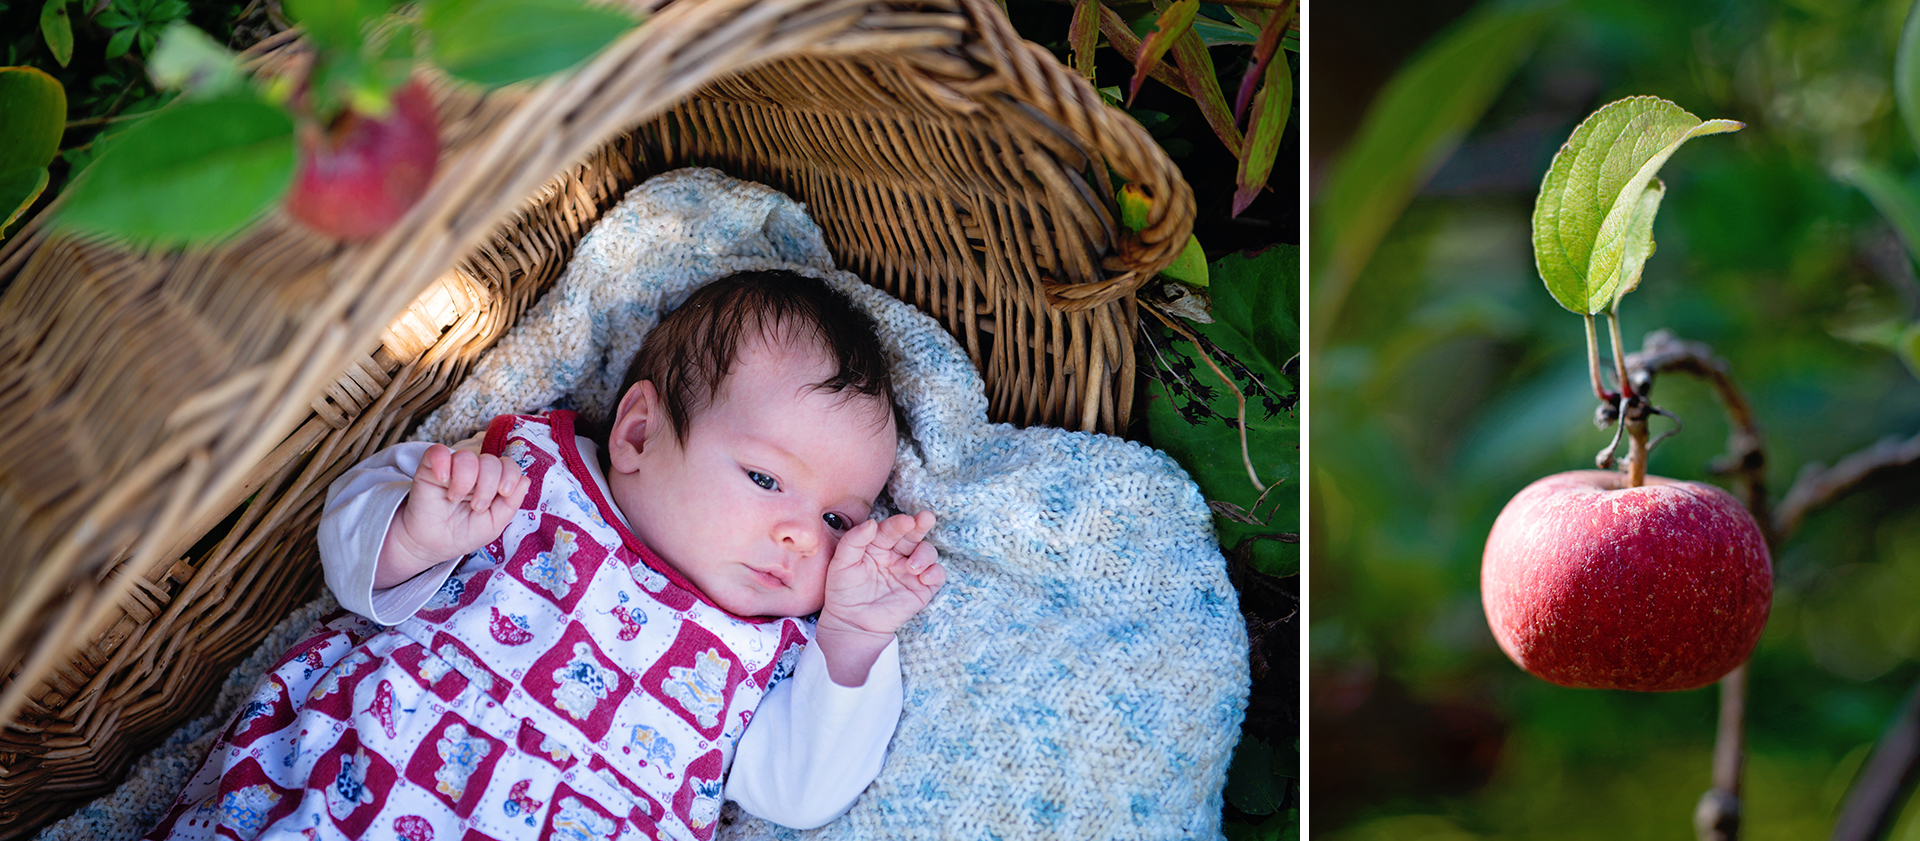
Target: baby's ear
(637,421)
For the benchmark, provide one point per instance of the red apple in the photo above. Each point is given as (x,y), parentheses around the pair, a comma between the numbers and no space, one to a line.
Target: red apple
(1590,584)
(361,174)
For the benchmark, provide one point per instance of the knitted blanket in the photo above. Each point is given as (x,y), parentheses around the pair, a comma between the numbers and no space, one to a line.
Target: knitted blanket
(1083,673)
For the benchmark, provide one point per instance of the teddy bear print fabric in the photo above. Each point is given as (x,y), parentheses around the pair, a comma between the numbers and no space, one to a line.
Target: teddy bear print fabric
(562,684)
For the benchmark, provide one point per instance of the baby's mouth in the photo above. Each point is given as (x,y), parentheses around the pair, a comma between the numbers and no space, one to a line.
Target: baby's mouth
(769,577)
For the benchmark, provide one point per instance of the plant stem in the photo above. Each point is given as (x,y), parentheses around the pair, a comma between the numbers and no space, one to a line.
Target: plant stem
(1717,817)
(1239,397)
(1633,408)
(1593,365)
(1619,355)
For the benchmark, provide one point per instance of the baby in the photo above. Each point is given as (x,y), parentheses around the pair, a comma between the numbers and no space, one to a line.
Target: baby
(605,646)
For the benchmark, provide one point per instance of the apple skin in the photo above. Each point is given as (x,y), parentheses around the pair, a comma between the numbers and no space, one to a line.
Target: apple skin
(361,175)
(1656,588)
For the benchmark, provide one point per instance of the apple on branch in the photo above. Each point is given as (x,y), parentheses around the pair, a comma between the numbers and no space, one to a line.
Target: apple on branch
(1589,583)
(359,175)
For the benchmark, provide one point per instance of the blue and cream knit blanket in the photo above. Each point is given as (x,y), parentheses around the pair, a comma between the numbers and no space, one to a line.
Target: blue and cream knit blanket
(1083,673)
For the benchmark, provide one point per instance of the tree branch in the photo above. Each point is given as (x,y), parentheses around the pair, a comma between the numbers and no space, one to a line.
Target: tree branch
(1717,817)
(1818,484)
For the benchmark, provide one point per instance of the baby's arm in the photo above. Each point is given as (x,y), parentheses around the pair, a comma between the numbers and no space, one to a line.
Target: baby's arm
(354,526)
(814,745)
(882,573)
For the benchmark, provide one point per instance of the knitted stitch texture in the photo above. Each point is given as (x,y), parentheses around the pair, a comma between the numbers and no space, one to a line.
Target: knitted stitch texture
(1083,673)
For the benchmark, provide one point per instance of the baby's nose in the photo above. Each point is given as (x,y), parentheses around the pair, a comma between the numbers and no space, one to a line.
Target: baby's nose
(799,535)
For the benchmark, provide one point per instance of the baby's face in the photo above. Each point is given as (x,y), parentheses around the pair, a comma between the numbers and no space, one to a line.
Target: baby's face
(750,504)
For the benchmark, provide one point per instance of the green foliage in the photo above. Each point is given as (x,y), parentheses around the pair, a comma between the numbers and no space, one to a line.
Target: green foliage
(194,172)
(1412,126)
(189,61)
(1593,220)
(1193,415)
(500,42)
(1185,31)
(1256,779)
(1269,123)
(57,28)
(138,22)
(36,109)
(1174,21)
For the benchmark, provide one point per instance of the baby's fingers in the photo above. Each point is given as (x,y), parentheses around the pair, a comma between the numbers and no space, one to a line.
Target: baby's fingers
(486,482)
(510,498)
(901,533)
(435,466)
(465,472)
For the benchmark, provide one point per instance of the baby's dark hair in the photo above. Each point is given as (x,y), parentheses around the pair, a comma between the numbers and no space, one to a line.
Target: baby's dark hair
(689,355)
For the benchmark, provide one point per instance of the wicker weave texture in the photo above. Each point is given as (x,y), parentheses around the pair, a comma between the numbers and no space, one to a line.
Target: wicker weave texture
(173,419)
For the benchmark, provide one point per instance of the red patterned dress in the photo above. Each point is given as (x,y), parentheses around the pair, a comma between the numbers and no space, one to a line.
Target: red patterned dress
(564,682)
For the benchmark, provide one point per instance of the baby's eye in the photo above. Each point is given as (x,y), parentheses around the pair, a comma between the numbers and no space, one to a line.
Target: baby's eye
(836,522)
(763,480)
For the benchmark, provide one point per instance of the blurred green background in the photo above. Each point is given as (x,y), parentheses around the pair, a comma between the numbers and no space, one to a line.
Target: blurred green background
(1445,378)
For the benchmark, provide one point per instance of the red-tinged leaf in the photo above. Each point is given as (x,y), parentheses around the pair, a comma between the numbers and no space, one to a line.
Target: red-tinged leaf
(1084,35)
(1175,21)
(1263,50)
(1128,44)
(1196,66)
(1271,108)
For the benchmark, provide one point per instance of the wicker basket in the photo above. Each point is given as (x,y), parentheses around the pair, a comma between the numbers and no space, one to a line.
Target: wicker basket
(172,419)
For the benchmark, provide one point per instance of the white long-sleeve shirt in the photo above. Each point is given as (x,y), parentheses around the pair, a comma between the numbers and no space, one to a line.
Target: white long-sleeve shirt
(812,746)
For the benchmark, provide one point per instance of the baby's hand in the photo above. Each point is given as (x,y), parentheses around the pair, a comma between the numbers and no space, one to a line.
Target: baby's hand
(882,574)
(460,501)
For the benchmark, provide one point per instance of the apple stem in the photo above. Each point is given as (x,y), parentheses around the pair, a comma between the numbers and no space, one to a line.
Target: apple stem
(1593,365)
(1619,355)
(1634,408)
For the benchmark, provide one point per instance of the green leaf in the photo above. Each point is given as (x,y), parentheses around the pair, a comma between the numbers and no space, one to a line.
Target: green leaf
(1174,21)
(113,19)
(1252,787)
(1196,68)
(1083,33)
(191,61)
(1191,266)
(1906,76)
(36,109)
(1891,195)
(340,24)
(1215,33)
(1264,132)
(1910,348)
(1593,189)
(500,42)
(1411,128)
(195,171)
(18,189)
(57,27)
(1190,412)
(121,42)
(1639,247)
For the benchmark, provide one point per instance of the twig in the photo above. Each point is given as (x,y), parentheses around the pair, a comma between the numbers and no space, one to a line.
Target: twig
(1745,459)
(1246,456)
(1875,797)
(98,121)
(1817,485)
(1717,817)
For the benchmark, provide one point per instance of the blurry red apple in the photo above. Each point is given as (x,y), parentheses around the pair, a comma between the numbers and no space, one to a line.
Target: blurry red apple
(1590,584)
(361,174)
